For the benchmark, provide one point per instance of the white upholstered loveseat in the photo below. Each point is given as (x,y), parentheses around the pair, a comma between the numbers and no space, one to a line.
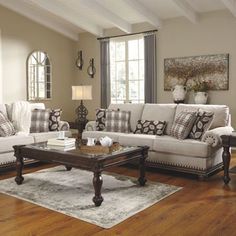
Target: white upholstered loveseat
(200,157)
(7,158)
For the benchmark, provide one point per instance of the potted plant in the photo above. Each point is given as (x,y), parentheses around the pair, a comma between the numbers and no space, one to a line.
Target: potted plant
(200,89)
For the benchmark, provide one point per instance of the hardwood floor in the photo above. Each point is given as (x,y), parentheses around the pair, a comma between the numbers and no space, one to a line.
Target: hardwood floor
(200,208)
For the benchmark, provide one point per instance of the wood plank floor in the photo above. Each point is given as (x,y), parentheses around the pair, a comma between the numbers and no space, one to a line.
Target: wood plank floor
(201,208)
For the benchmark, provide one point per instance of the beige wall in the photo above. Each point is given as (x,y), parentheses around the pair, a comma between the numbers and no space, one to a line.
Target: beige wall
(21,36)
(215,33)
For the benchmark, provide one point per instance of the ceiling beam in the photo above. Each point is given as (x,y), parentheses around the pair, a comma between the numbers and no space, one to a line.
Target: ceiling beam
(186,9)
(145,12)
(25,10)
(231,5)
(69,14)
(114,19)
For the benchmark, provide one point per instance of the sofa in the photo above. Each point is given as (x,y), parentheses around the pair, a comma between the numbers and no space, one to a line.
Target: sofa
(7,159)
(199,157)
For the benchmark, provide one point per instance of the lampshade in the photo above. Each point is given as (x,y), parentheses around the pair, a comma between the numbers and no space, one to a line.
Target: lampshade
(82,92)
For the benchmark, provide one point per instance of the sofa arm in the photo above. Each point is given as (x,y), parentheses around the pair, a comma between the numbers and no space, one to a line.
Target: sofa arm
(91,126)
(212,137)
(64,126)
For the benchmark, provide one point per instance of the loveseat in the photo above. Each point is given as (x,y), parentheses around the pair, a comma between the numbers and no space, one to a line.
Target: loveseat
(7,158)
(201,157)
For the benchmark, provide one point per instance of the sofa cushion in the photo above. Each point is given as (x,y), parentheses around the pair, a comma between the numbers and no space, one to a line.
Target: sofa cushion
(6,127)
(135,109)
(164,112)
(150,127)
(187,147)
(137,140)
(118,121)
(6,143)
(40,121)
(221,112)
(202,124)
(3,109)
(99,134)
(183,124)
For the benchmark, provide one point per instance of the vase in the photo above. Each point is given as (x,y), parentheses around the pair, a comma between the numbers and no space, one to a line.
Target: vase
(200,97)
(179,92)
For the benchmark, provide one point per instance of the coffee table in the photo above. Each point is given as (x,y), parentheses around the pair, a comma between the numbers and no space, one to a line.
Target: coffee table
(77,159)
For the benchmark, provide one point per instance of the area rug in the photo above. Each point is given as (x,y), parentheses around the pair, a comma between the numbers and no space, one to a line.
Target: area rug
(71,193)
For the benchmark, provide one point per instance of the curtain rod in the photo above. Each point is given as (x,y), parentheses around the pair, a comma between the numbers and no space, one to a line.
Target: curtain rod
(122,35)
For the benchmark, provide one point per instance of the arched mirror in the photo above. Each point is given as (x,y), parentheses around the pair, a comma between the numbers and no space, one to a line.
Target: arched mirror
(39,81)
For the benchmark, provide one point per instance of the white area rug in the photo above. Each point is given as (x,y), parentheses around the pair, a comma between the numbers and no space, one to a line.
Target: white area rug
(71,193)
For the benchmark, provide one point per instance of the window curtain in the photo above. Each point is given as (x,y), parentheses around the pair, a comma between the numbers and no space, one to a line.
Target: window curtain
(105,72)
(150,77)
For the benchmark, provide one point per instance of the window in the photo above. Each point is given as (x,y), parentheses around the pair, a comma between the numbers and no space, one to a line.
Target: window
(127,69)
(39,76)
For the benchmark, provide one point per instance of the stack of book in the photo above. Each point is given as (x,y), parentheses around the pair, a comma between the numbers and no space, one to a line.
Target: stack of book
(65,144)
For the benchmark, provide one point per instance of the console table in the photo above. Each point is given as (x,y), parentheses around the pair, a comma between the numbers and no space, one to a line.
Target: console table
(228,141)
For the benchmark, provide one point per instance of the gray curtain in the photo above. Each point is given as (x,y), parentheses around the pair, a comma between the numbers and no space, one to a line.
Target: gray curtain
(150,77)
(105,72)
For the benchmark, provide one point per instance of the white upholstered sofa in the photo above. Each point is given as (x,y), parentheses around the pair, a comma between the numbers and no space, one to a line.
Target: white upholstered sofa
(7,158)
(192,156)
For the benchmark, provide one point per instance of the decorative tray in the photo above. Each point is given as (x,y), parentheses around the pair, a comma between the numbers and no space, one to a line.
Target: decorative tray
(99,149)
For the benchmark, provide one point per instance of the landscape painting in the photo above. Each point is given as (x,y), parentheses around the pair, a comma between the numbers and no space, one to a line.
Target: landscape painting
(187,71)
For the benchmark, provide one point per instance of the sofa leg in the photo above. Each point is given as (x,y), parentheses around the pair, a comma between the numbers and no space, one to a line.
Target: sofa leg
(202,177)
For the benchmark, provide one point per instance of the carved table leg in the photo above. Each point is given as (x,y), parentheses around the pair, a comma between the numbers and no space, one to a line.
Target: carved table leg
(97,184)
(19,167)
(68,168)
(142,180)
(226,156)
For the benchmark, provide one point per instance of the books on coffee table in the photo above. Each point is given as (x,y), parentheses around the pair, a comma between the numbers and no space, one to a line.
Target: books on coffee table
(62,148)
(61,142)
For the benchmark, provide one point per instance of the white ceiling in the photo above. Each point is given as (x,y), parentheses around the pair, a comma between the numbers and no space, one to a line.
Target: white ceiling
(71,17)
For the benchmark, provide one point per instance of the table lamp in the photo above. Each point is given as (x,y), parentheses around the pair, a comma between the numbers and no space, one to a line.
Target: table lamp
(81,92)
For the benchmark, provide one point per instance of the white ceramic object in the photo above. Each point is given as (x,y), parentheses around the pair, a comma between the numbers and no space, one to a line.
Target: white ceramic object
(200,97)
(179,93)
(91,141)
(106,141)
(61,135)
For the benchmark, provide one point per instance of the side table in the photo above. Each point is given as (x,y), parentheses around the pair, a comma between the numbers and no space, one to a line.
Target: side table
(80,126)
(228,141)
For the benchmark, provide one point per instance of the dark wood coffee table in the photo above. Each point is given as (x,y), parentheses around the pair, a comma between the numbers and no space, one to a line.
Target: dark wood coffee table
(75,158)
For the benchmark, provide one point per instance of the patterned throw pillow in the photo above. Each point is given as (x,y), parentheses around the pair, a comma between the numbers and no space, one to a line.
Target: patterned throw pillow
(202,124)
(100,119)
(183,124)
(118,121)
(54,119)
(6,127)
(150,127)
(39,121)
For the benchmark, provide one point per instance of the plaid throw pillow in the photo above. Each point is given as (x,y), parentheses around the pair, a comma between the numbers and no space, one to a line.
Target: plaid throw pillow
(118,121)
(54,119)
(6,127)
(202,124)
(39,121)
(183,124)
(150,127)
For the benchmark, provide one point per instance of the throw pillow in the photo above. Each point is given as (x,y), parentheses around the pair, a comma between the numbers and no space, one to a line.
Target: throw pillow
(100,119)
(183,124)
(150,127)
(202,124)
(118,121)
(6,127)
(40,121)
(54,119)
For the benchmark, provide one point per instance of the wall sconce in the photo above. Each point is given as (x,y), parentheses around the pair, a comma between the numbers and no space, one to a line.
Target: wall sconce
(79,61)
(91,69)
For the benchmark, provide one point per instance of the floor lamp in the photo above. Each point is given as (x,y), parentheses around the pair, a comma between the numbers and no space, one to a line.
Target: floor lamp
(81,92)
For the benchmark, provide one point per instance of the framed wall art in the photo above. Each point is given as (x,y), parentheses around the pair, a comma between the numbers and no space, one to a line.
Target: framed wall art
(187,71)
